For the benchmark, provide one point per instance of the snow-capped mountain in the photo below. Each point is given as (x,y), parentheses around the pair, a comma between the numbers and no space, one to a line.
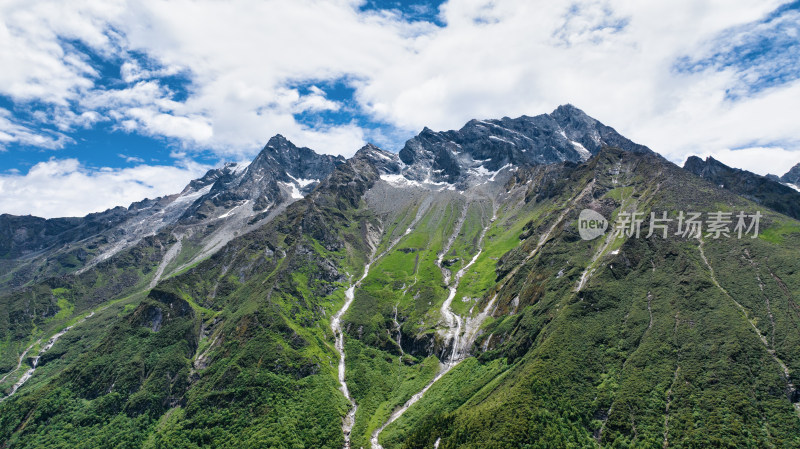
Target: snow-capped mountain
(211,210)
(440,297)
(482,147)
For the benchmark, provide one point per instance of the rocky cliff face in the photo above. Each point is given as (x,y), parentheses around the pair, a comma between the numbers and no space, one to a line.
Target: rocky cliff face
(761,189)
(442,296)
(792,176)
(34,248)
(282,172)
(482,146)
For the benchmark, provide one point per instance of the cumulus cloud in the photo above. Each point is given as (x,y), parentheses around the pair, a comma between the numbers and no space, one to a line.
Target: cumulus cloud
(12,132)
(131,159)
(37,62)
(672,75)
(64,187)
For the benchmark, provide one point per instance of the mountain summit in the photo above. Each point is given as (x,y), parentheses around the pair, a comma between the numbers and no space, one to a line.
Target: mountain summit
(567,134)
(442,297)
(792,176)
(281,172)
(209,212)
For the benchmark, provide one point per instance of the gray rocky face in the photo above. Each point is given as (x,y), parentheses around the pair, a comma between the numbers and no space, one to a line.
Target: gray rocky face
(567,134)
(298,162)
(281,171)
(763,190)
(792,176)
(226,197)
(384,161)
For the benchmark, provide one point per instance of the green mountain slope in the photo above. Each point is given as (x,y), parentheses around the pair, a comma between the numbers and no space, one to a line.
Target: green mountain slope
(661,346)
(480,318)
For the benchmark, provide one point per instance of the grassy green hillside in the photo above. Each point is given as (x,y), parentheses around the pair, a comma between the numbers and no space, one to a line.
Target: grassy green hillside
(31,315)
(662,346)
(613,342)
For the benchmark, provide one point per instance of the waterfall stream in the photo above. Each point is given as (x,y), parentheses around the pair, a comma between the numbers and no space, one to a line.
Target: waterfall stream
(35,363)
(460,345)
(336,326)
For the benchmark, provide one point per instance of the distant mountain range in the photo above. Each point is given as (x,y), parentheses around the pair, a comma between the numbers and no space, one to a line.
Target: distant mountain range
(779,194)
(441,297)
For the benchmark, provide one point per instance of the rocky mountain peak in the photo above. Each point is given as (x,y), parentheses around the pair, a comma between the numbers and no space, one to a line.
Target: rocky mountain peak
(281,155)
(281,172)
(707,167)
(370,149)
(792,176)
(384,161)
(567,134)
(277,141)
(211,177)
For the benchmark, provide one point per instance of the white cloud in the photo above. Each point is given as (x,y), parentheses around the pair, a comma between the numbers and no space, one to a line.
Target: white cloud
(616,59)
(12,132)
(130,159)
(131,71)
(36,64)
(63,187)
(193,128)
(613,58)
(315,101)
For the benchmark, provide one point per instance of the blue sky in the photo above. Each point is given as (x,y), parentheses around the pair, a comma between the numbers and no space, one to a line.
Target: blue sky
(105,102)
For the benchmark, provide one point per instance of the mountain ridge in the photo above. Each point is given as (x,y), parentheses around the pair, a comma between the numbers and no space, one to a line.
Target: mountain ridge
(470,312)
(761,189)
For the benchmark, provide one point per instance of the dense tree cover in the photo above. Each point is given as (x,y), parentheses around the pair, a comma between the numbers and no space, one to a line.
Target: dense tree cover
(657,349)
(39,310)
(606,343)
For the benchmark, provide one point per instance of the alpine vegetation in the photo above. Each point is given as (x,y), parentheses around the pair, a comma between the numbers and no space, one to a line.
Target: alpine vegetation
(536,282)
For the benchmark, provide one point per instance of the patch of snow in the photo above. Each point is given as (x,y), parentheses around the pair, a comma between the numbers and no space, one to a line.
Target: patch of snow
(454,143)
(585,154)
(304,182)
(294,191)
(381,155)
(794,186)
(440,183)
(191,197)
(481,171)
(488,176)
(402,181)
(399,180)
(494,175)
(500,139)
(230,212)
(507,130)
(240,167)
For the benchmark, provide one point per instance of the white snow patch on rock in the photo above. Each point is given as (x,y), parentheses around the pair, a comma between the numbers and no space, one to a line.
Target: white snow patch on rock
(585,154)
